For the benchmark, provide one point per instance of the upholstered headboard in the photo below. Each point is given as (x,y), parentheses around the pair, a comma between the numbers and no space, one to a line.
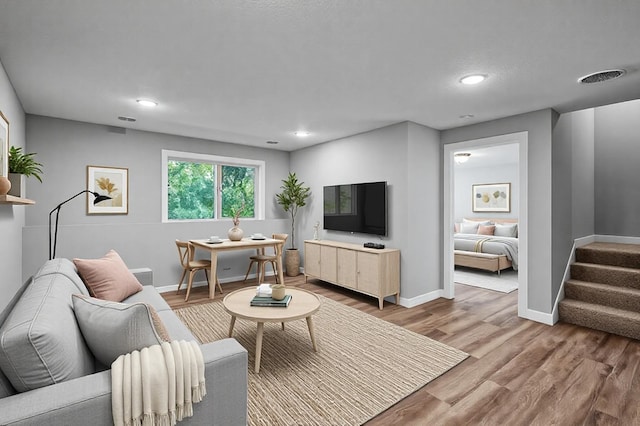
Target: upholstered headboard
(492,219)
(508,227)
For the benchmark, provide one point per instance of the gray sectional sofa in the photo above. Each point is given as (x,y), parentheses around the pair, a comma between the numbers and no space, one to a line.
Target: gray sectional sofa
(78,389)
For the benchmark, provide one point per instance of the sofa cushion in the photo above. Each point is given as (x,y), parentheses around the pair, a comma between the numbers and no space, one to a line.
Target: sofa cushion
(150,296)
(40,341)
(177,329)
(108,278)
(64,267)
(112,329)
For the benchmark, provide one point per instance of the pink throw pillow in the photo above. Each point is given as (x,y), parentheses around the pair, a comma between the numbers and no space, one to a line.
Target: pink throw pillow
(486,229)
(108,278)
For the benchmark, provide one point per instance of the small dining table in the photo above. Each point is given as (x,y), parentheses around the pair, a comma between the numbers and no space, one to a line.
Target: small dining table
(245,244)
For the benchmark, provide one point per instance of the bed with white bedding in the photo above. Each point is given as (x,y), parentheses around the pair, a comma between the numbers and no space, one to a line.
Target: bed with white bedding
(492,245)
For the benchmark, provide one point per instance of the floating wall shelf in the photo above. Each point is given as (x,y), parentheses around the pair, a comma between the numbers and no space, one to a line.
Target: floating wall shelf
(10,199)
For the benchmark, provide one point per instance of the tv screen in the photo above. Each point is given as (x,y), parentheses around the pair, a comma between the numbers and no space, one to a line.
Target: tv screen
(358,207)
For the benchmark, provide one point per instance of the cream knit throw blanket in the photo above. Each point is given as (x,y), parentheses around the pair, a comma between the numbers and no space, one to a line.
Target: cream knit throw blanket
(156,386)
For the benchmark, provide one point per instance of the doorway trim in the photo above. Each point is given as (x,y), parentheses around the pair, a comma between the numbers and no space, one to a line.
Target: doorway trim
(521,138)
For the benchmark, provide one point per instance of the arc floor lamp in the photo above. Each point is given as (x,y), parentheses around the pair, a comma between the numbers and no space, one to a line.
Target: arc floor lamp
(98,198)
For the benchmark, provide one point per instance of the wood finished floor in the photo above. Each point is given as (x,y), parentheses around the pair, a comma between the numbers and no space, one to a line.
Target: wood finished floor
(519,372)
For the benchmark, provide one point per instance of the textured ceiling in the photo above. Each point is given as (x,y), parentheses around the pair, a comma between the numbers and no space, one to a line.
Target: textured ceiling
(251,71)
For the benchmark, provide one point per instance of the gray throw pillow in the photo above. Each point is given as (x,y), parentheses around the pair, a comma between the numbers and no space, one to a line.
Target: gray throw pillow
(112,329)
(506,230)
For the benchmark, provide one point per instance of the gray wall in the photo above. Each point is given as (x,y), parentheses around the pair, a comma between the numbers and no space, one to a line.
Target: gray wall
(67,147)
(465,178)
(407,156)
(12,218)
(561,199)
(617,155)
(538,124)
(583,166)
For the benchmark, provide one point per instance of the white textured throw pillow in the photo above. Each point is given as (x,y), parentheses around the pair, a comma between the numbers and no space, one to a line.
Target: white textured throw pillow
(112,329)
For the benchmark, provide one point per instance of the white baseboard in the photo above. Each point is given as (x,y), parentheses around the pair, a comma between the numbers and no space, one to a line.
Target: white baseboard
(537,316)
(616,239)
(174,287)
(419,300)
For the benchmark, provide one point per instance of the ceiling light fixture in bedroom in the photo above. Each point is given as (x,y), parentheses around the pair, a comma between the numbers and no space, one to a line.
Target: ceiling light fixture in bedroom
(302,133)
(146,102)
(473,79)
(461,157)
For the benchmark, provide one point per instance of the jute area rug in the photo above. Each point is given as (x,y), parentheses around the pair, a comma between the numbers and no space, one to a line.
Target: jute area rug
(363,365)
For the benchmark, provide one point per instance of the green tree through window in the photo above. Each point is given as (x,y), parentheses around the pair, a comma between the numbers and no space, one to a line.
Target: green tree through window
(196,189)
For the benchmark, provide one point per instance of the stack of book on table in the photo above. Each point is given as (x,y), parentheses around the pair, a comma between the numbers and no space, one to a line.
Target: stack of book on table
(269,301)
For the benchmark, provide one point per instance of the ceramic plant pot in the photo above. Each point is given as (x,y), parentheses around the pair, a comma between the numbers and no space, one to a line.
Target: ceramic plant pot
(5,185)
(235,234)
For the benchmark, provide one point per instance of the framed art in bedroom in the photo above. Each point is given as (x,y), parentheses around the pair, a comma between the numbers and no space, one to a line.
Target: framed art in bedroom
(491,197)
(112,182)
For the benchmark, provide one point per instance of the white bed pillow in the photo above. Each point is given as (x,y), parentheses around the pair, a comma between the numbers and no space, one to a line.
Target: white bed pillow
(469,228)
(478,222)
(506,230)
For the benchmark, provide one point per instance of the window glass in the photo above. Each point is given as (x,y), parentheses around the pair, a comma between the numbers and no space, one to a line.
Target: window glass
(205,187)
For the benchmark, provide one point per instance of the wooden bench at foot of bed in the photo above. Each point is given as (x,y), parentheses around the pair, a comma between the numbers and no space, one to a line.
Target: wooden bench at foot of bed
(486,261)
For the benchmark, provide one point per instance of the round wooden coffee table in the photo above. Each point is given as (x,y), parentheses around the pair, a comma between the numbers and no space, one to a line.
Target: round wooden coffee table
(303,305)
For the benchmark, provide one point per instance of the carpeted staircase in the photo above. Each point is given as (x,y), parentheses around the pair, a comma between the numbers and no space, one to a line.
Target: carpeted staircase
(604,290)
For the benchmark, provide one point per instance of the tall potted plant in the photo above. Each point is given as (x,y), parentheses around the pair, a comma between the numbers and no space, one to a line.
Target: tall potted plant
(22,165)
(293,196)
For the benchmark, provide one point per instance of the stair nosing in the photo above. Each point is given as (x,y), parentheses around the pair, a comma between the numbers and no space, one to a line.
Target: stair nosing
(619,289)
(604,308)
(605,266)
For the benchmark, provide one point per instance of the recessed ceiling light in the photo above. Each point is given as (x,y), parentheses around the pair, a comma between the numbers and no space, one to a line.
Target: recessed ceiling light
(466,116)
(473,79)
(272,142)
(147,102)
(124,118)
(302,133)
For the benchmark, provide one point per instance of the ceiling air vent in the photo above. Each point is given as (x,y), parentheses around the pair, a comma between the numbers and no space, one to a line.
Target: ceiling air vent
(600,76)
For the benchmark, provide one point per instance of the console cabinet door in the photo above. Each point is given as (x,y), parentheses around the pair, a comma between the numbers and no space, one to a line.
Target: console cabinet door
(368,273)
(312,260)
(347,268)
(328,264)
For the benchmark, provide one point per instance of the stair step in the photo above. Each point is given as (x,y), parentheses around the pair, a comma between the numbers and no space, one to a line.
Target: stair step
(614,254)
(599,317)
(604,274)
(603,294)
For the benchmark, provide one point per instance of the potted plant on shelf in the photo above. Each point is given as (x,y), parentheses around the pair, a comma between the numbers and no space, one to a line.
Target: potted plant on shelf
(293,196)
(21,166)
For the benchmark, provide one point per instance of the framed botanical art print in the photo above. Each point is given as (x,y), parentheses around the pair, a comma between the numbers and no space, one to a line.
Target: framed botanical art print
(491,197)
(4,145)
(111,182)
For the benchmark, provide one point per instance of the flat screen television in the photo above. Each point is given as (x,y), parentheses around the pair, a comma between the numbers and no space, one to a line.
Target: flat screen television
(356,207)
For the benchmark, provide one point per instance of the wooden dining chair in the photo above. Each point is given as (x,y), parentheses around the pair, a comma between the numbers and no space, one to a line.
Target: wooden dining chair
(190,265)
(261,259)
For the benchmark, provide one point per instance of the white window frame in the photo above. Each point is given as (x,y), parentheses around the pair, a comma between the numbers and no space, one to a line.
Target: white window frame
(259,185)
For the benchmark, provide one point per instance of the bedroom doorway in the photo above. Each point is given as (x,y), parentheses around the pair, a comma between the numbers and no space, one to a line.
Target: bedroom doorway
(502,148)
